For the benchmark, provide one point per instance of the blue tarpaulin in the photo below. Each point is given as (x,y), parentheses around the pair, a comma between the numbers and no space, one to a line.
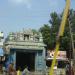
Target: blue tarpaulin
(1,52)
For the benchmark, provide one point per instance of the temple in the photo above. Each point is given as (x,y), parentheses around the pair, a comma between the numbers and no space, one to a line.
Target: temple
(26,48)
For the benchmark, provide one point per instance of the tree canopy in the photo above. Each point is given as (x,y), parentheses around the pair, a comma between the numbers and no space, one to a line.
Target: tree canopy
(45,30)
(50,33)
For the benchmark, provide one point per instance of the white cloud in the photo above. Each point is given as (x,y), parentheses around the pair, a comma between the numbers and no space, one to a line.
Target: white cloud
(21,2)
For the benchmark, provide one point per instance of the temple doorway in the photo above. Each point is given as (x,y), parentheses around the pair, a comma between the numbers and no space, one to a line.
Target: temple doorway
(24,59)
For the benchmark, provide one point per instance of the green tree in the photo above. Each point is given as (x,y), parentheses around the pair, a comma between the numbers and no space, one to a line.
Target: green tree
(55,23)
(50,32)
(66,40)
(45,30)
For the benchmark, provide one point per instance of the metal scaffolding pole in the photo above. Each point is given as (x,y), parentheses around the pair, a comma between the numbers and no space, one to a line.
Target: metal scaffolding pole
(72,60)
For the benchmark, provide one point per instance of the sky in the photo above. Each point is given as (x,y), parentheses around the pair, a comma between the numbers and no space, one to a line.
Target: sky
(18,14)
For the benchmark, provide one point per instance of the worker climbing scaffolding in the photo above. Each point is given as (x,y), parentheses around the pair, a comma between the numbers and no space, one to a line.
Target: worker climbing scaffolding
(60,34)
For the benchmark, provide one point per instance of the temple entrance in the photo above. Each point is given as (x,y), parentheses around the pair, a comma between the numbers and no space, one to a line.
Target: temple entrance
(25,59)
